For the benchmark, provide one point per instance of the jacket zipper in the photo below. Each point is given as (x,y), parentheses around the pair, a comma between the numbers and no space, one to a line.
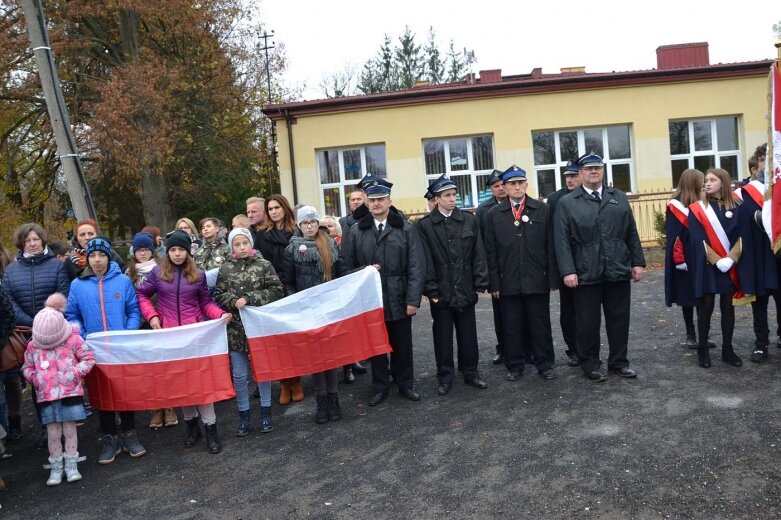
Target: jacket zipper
(178,307)
(102,304)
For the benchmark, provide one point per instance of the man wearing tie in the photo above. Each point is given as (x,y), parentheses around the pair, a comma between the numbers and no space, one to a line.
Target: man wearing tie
(383,239)
(598,252)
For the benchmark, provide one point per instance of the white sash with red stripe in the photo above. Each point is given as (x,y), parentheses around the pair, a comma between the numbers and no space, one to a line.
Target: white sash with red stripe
(679,211)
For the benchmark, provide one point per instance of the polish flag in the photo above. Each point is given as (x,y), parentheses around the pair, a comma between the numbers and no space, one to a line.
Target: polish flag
(164,368)
(771,213)
(328,326)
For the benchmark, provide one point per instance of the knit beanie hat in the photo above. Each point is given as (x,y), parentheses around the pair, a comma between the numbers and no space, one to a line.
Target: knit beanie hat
(50,329)
(307,213)
(99,243)
(143,240)
(178,239)
(236,232)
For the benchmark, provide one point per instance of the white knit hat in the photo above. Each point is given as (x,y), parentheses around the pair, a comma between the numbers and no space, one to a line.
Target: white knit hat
(236,232)
(307,213)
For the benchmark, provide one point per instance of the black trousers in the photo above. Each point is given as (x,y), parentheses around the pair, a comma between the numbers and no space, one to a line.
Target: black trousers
(759,312)
(444,319)
(400,338)
(498,326)
(704,314)
(108,422)
(535,308)
(688,320)
(567,318)
(614,299)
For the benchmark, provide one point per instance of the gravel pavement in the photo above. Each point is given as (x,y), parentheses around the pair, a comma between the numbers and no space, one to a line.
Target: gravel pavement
(677,442)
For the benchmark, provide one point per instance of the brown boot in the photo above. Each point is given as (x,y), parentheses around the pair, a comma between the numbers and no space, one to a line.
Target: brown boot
(298,389)
(170,418)
(284,391)
(157,419)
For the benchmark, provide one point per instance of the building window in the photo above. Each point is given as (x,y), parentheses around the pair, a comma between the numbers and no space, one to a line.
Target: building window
(553,148)
(467,161)
(340,171)
(703,144)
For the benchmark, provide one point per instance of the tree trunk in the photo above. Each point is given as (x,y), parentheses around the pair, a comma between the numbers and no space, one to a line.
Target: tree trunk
(154,200)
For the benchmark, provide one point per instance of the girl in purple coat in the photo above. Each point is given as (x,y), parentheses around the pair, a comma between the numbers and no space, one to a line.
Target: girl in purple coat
(182,299)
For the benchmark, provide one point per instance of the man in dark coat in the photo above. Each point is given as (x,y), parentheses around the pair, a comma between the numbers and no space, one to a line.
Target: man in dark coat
(383,239)
(566,295)
(456,271)
(519,249)
(356,199)
(497,195)
(598,252)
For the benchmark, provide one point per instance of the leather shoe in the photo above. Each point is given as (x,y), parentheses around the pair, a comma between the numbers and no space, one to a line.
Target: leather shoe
(624,372)
(548,374)
(573,360)
(378,398)
(476,383)
(733,360)
(596,376)
(443,389)
(349,378)
(703,358)
(359,368)
(409,393)
(513,375)
(499,359)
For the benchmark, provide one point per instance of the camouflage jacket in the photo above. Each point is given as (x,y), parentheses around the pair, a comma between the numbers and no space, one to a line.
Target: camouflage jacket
(252,278)
(212,254)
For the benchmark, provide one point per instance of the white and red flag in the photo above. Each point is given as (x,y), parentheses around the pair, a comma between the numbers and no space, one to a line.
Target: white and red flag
(771,213)
(164,368)
(328,326)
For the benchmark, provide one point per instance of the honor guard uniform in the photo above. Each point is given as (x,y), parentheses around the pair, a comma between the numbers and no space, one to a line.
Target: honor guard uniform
(566,295)
(497,195)
(383,239)
(456,271)
(519,249)
(598,252)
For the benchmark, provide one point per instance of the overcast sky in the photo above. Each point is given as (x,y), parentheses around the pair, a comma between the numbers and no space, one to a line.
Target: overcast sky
(517,36)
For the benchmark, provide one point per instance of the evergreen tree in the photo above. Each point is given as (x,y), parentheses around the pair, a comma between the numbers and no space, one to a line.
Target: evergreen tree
(435,67)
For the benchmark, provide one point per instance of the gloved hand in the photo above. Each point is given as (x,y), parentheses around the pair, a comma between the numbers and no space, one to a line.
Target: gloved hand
(682,267)
(724,264)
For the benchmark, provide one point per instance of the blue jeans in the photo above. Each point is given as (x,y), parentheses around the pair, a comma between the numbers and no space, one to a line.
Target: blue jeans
(240,373)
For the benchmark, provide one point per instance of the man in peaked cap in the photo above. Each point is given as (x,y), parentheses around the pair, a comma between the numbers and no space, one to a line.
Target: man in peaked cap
(519,249)
(383,239)
(456,272)
(566,294)
(497,195)
(598,252)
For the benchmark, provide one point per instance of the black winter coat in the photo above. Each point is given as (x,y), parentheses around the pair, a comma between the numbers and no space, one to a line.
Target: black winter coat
(553,201)
(400,254)
(456,266)
(304,265)
(482,213)
(520,258)
(271,245)
(598,241)
(29,281)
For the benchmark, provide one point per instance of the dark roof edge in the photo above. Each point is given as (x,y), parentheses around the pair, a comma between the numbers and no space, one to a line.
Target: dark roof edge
(557,83)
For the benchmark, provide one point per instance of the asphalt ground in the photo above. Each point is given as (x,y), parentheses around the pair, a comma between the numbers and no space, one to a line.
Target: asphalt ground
(677,442)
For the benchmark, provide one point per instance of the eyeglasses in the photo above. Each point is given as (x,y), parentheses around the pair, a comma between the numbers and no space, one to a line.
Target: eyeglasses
(309,223)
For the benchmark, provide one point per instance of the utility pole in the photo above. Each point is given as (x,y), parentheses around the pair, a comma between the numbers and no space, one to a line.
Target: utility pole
(81,200)
(265,48)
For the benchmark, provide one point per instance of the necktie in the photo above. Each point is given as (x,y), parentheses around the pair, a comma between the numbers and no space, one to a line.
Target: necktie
(379,228)
(596,196)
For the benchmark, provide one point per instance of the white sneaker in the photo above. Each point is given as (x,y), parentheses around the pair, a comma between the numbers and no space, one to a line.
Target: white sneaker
(55,477)
(71,468)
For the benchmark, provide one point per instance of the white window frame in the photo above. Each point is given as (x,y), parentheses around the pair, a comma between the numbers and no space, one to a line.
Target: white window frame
(714,151)
(474,174)
(609,163)
(345,185)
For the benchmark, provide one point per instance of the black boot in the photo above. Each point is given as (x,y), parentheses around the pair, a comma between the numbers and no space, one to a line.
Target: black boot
(728,356)
(212,438)
(321,414)
(334,410)
(244,424)
(193,432)
(703,356)
(14,428)
(349,378)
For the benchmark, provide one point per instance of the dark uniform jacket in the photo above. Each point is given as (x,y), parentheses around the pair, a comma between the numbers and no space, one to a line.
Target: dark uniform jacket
(400,254)
(482,212)
(457,266)
(520,258)
(598,241)
(552,201)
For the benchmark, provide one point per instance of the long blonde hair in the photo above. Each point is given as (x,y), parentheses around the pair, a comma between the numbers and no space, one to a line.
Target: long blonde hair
(689,188)
(726,199)
(323,243)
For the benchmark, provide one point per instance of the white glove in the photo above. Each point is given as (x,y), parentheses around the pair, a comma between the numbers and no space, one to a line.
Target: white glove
(682,267)
(725,264)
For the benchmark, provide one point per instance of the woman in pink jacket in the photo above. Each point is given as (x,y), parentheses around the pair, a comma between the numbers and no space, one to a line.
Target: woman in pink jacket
(182,299)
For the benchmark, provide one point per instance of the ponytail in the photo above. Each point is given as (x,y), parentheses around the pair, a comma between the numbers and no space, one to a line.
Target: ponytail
(323,243)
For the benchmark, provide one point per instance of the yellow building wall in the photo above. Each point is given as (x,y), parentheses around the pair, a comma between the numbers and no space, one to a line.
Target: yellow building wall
(511,120)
